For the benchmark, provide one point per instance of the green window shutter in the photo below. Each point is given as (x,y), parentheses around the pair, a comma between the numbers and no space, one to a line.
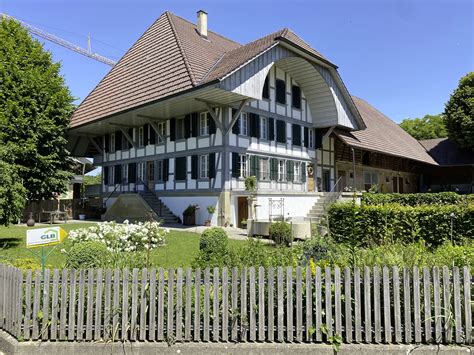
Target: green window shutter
(130,133)
(152,135)
(212,125)
(235,127)
(166,169)
(254,165)
(107,143)
(146,137)
(194,124)
(212,165)
(271,129)
(280,91)
(235,165)
(118,140)
(132,173)
(306,137)
(274,169)
(290,170)
(180,168)
(281,131)
(106,175)
(296,134)
(187,126)
(303,172)
(118,174)
(173,129)
(194,167)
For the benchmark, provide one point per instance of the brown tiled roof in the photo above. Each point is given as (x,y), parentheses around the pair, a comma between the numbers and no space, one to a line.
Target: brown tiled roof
(447,152)
(171,57)
(383,135)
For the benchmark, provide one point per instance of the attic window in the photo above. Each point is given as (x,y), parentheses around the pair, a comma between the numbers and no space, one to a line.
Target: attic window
(280,91)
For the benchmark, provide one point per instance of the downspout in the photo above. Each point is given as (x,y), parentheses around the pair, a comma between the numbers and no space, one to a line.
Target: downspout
(354,168)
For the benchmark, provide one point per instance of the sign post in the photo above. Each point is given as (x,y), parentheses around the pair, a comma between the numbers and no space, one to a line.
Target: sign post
(43,237)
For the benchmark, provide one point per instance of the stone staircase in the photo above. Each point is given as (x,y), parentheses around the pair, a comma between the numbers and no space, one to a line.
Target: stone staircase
(316,213)
(159,207)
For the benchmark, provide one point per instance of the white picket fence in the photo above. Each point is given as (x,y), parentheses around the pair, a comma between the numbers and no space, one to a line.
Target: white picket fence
(368,305)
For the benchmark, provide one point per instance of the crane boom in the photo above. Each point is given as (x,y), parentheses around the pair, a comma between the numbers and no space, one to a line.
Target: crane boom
(61,42)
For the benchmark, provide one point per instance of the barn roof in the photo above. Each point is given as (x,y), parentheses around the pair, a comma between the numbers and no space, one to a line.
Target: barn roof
(447,152)
(383,135)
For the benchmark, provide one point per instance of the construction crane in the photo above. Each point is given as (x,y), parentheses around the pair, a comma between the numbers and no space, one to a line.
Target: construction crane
(52,38)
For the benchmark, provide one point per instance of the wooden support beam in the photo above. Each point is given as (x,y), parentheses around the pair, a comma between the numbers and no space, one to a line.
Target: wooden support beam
(122,125)
(236,115)
(155,127)
(215,117)
(125,133)
(94,143)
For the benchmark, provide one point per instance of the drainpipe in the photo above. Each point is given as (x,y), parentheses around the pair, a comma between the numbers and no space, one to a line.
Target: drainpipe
(354,168)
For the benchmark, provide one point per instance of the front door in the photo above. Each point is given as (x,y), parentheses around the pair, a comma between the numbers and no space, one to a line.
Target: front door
(242,211)
(397,184)
(326,180)
(150,175)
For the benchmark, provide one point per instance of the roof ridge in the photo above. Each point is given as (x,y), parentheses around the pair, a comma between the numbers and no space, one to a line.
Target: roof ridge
(181,49)
(213,32)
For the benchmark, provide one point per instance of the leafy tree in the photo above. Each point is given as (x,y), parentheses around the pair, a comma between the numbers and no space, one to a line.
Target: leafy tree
(12,192)
(459,113)
(428,127)
(92,179)
(35,107)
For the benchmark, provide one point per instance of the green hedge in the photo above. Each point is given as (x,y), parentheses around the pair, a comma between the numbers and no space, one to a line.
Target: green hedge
(441,198)
(375,225)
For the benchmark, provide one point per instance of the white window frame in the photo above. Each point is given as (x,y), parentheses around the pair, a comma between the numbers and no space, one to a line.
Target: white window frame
(162,132)
(112,175)
(264,169)
(180,131)
(311,138)
(281,169)
(141,167)
(141,137)
(203,124)
(204,166)
(263,128)
(244,124)
(112,143)
(297,171)
(124,173)
(373,178)
(159,170)
(243,166)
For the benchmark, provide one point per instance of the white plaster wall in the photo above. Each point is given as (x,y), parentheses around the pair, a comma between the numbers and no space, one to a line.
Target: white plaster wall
(178,204)
(295,206)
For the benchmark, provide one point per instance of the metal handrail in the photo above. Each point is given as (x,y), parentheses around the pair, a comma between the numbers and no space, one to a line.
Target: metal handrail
(333,195)
(110,195)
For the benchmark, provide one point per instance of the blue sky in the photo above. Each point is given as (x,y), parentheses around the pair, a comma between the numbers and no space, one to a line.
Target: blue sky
(404,57)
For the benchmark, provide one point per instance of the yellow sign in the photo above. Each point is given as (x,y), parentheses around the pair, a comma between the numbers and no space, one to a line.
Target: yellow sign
(45,236)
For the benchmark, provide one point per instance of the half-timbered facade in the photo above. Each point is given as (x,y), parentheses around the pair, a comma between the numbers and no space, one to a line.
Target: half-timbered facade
(188,114)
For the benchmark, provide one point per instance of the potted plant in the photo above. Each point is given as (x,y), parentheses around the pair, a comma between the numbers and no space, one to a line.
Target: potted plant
(243,224)
(189,215)
(210,210)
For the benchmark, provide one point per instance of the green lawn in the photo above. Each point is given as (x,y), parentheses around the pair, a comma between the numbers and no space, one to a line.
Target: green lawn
(180,250)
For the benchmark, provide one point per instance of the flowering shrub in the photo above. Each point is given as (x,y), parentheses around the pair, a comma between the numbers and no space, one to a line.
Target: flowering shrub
(124,237)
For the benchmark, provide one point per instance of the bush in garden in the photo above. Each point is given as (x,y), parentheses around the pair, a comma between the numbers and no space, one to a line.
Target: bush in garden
(440,198)
(281,233)
(214,250)
(380,224)
(214,240)
(454,255)
(124,237)
(88,254)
